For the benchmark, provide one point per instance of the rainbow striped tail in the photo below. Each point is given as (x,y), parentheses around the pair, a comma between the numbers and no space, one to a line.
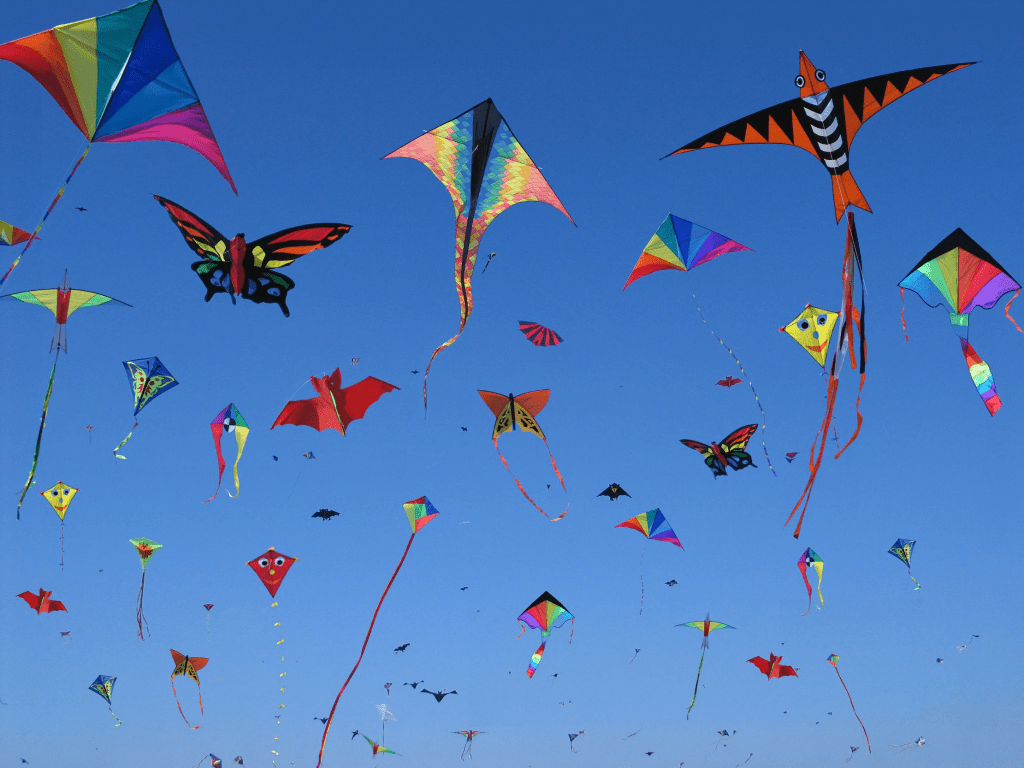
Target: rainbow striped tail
(535,659)
(981,374)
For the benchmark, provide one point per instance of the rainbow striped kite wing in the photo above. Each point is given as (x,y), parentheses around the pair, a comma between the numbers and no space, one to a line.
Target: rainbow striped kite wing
(118,78)
(653,525)
(683,245)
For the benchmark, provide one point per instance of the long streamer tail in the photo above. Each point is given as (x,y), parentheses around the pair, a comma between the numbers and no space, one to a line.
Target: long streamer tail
(330,718)
(642,580)
(523,490)
(913,580)
(757,399)
(181,712)
(115,717)
(121,444)
(981,375)
(140,616)
(696,684)
(866,738)
(39,436)
(810,591)
(535,659)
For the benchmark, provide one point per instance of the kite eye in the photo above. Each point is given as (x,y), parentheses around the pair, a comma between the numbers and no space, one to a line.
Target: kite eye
(54,492)
(263,562)
(803,325)
(278,561)
(819,75)
(822,319)
(800,82)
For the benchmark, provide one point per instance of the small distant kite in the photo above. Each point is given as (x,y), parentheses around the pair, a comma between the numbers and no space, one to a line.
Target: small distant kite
(771,666)
(834,661)
(307,455)
(671,582)
(89,428)
(187,666)
(918,742)
(325,514)
(334,407)
(467,748)
(539,335)
(355,361)
(791,456)
(402,647)
(811,559)
(41,603)
(902,550)
(488,262)
(545,613)
(707,627)
(572,738)
(144,548)
(439,694)
(729,381)
(103,685)
(731,452)
(613,492)
(228,421)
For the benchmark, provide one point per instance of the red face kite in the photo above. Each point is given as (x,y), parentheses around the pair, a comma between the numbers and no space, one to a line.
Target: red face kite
(272,567)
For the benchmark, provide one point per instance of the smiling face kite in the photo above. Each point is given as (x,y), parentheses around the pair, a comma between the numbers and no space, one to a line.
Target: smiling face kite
(812,330)
(272,567)
(60,497)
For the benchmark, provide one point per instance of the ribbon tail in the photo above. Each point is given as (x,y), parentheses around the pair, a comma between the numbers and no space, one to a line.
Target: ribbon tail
(523,490)
(121,444)
(535,659)
(241,447)
(39,437)
(914,580)
(803,572)
(696,685)
(981,375)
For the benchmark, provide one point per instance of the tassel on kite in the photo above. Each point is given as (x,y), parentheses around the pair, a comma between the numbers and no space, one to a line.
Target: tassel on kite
(811,559)
(145,549)
(228,421)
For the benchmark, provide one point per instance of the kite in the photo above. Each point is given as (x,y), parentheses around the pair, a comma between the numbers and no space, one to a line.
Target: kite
(545,613)
(510,410)
(486,170)
(728,381)
(412,684)
(387,687)
(325,514)
(148,379)
(89,428)
(385,715)
(355,361)
(187,666)
(145,549)
(772,668)
(419,512)
(12,235)
(215,762)
(572,738)
(652,525)
(729,453)
(707,627)
(902,550)
(613,492)
(853,751)
(62,302)
(238,268)
(834,661)
(42,603)
(918,742)
(118,78)
(962,276)
(228,421)
(539,335)
(823,121)
(851,327)
(791,456)
(671,582)
(308,455)
(467,748)
(812,330)
(439,694)
(488,262)
(402,647)
(103,685)
(377,748)
(811,559)
(60,497)
(334,407)
(208,607)
(723,734)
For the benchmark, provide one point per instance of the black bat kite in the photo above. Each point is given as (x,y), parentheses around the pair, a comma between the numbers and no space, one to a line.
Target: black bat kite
(439,695)
(334,407)
(613,492)
(326,514)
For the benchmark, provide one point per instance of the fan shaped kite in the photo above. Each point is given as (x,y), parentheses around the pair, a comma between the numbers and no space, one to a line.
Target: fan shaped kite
(539,335)
(652,525)
(683,245)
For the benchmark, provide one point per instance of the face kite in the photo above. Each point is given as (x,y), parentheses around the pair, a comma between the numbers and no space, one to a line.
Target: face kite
(539,335)
(812,330)
(228,421)
(238,268)
(823,121)
(187,666)
(729,453)
(60,497)
(902,550)
(334,407)
(811,559)
(272,567)
(486,170)
(545,613)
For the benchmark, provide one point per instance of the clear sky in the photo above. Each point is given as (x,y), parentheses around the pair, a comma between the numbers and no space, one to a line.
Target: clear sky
(305,98)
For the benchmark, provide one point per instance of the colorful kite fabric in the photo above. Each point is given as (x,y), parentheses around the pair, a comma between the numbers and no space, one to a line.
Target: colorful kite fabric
(728,381)
(902,550)
(145,549)
(334,407)
(812,330)
(103,686)
(486,170)
(11,235)
(228,421)
(539,335)
(961,276)
(377,748)
(510,410)
(60,497)
(467,748)
(187,666)
(790,456)
(41,603)
(771,666)
(545,613)
(823,121)
(272,567)
(149,379)
(811,559)
(729,453)
(707,627)
(683,245)
(238,268)
(419,512)
(653,525)
(834,661)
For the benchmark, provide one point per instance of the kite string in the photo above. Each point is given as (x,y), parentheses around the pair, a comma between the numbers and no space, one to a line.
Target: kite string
(39,436)
(696,684)
(380,602)
(854,709)
(53,203)
(642,554)
(764,422)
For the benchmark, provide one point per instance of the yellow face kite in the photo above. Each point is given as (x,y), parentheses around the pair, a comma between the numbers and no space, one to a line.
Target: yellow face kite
(812,330)
(60,497)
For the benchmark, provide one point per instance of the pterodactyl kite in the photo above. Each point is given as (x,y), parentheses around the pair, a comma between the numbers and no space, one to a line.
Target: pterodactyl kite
(486,170)
(439,694)
(731,452)
(228,421)
(60,497)
(728,381)
(613,492)
(823,121)
(145,549)
(545,613)
(377,748)
(902,550)
(334,407)
(62,302)
(149,379)
(187,666)
(510,410)
(42,603)
(467,748)
(707,627)
(652,525)
(539,335)
(834,661)
(811,559)
(771,666)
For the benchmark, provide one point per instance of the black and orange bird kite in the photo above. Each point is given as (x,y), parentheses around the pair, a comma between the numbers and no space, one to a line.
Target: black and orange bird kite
(823,121)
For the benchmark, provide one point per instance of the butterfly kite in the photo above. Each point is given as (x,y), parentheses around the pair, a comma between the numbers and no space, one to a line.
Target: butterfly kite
(729,453)
(771,666)
(823,121)
(902,550)
(486,170)
(149,379)
(145,549)
(467,748)
(811,559)
(834,661)
(103,686)
(228,421)
(59,497)
(118,78)
(510,410)
(652,525)
(334,407)
(539,335)
(187,666)
(42,603)
(707,627)
(961,276)
(239,268)
(545,613)
(62,301)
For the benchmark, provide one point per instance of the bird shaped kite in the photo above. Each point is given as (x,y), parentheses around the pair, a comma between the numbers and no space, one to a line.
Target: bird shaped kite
(334,407)
(59,497)
(510,410)
(728,381)
(613,492)
(486,170)
(228,421)
(11,235)
(961,276)
(823,121)
(652,525)
(729,453)
(834,661)
(42,603)
(467,748)
(438,695)
(103,686)
(545,613)
(771,666)
(187,666)
(539,335)
(377,748)
(902,550)
(790,456)
(811,559)
(325,514)
(149,379)
(707,627)
(238,268)
(812,330)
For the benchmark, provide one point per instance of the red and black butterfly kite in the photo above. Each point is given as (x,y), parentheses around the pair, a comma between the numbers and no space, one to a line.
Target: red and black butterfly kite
(729,453)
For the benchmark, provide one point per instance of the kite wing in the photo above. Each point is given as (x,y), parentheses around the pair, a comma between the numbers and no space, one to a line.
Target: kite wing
(762,664)
(32,599)
(540,335)
(506,413)
(282,248)
(734,444)
(360,396)
(781,670)
(12,235)
(320,412)
(206,241)
(717,468)
(683,245)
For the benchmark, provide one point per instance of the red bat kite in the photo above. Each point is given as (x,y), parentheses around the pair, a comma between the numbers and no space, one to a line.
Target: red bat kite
(334,407)
(42,603)
(771,666)
(729,381)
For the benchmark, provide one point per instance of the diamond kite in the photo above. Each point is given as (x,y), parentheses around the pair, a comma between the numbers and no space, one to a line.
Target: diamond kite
(902,550)
(228,421)
(812,330)
(811,559)
(103,685)
(545,613)
(834,661)
(145,549)
(149,379)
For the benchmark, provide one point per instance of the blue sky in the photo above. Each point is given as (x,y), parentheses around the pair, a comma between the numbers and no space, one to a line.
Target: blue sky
(304,101)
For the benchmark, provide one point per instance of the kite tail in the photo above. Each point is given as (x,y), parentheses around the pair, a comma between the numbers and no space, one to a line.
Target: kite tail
(220,469)
(814,463)
(903,310)
(330,718)
(115,717)
(854,320)
(914,580)
(39,437)
(535,659)
(181,712)
(764,422)
(241,447)
(62,545)
(866,738)
(430,362)
(642,580)
(696,684)
(1006,311)
(810,591)
(121,444)
(141,617)
(282,689)
(822,599)
(39,226)
(981,375)
(523,490)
